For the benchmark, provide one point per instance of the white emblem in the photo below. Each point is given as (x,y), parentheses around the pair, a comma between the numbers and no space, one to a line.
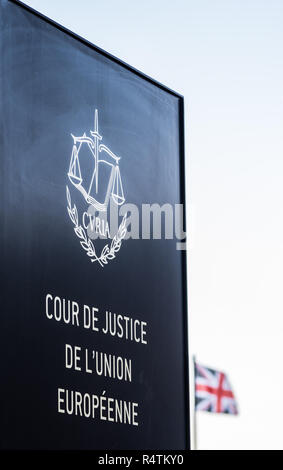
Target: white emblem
(107,163)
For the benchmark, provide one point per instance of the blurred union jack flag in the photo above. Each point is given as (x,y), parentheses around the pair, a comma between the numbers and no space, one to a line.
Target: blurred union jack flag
(213,391)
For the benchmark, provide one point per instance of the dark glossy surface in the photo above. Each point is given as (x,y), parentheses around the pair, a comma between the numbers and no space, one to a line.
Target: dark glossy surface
(50,86)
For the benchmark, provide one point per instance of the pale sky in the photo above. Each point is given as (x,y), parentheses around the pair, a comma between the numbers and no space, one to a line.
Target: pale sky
(225,57)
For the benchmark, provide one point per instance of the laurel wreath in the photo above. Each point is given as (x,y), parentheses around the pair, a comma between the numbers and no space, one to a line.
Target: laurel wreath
(107,253)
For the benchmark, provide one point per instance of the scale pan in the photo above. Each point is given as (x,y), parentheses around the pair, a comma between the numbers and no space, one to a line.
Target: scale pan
(75,180)
(118,199)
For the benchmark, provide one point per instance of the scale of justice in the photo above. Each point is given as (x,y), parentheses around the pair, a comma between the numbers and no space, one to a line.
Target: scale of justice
(102,156)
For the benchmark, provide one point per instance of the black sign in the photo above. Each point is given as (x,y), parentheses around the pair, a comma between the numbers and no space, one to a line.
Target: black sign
(93,331)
